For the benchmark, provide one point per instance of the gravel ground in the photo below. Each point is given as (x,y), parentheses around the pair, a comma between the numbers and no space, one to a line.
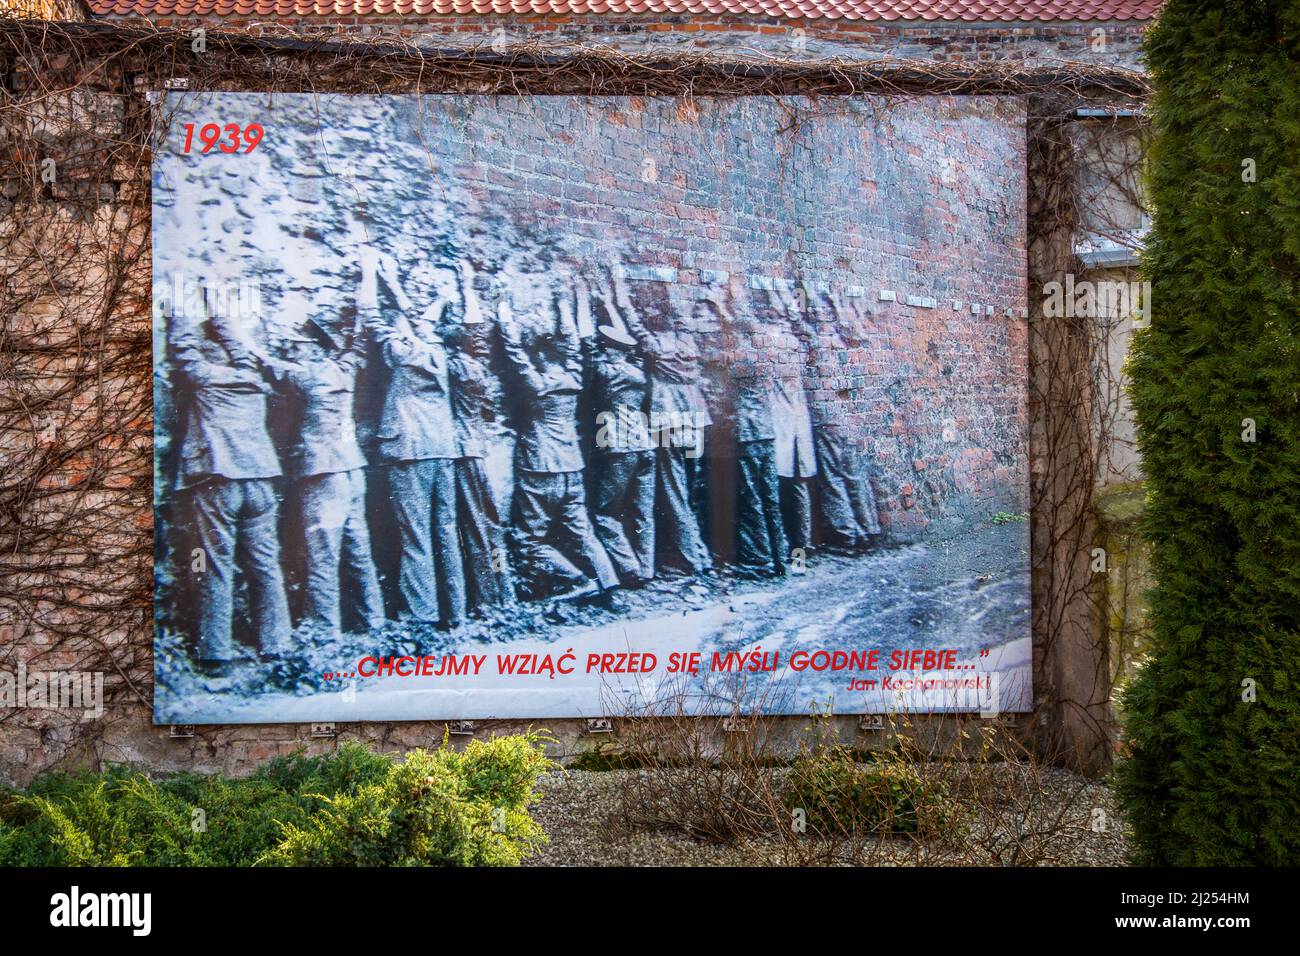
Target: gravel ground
(582,812)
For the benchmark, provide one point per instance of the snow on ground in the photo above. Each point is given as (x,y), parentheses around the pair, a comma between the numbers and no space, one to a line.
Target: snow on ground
(969,594)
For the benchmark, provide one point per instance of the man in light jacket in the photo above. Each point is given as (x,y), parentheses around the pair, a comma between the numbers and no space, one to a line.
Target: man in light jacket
(329,469)
(558,551)
(417,437)
(228,468)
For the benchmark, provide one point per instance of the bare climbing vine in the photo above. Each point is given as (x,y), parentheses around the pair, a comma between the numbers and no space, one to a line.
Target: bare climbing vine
(76,396)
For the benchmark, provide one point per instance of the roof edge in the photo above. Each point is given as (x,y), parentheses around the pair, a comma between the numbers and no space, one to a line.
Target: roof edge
(972,13)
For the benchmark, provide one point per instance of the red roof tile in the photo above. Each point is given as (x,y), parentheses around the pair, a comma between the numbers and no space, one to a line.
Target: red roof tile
(968,10)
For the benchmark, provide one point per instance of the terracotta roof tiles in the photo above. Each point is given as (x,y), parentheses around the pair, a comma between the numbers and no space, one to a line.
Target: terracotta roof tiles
(953,10)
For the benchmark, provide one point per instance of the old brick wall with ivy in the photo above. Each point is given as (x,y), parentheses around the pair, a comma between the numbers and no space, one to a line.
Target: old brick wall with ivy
(76,544)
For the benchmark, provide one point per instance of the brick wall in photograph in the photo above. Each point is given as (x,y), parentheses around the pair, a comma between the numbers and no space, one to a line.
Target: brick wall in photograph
(915,209)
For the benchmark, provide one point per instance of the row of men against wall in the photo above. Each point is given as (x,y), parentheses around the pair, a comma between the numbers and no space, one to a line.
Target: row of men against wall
(441,388)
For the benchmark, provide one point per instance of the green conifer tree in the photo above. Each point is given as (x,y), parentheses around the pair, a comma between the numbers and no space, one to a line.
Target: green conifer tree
(1213,718)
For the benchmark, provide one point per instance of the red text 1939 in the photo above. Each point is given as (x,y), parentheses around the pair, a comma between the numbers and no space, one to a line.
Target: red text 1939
(226,139)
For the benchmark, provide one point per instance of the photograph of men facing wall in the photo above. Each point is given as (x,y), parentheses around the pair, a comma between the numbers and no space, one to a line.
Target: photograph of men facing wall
(452,378)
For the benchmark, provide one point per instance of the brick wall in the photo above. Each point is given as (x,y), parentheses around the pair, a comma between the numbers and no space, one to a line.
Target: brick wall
(969,236)
(1115,43)
(915,208)
(45,9)
(76,536)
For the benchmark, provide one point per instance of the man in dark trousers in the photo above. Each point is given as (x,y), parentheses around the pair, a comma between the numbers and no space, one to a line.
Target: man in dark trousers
(327,462)
(558,552)
(845,497)
(678,410)
(796,462)
(475,402)
(761,546)
(678,417)
(417,436)
(228,467)
(624,513)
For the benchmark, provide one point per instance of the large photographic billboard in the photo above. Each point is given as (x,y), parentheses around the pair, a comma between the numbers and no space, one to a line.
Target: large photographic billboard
(491,406)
